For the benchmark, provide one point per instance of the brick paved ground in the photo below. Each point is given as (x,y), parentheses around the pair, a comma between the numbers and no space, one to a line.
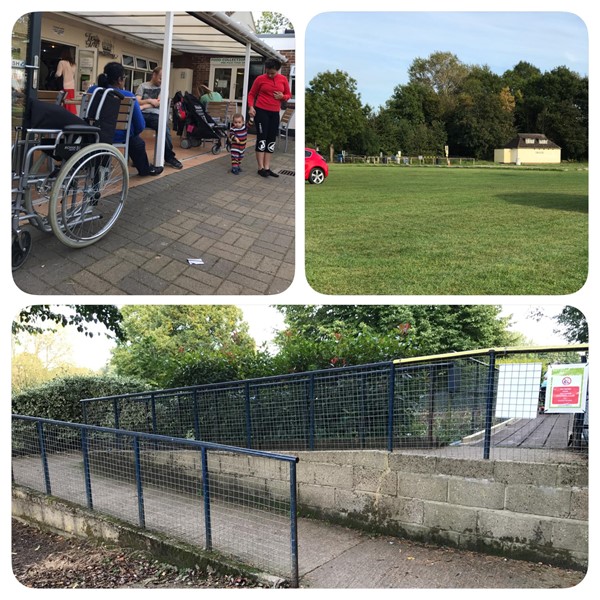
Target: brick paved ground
(242,227)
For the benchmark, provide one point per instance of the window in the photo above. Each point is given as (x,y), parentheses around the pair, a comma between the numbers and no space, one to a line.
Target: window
(137,70)
(529,141)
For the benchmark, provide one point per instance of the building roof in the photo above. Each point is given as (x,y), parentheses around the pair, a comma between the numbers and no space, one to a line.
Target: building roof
(531,140)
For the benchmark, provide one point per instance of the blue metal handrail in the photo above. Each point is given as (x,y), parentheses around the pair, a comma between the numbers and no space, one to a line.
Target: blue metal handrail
(204,447)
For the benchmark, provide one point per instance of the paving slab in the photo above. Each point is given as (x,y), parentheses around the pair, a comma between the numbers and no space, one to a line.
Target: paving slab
(241,226)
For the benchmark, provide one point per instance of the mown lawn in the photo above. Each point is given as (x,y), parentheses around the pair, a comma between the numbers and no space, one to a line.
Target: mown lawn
(415,230)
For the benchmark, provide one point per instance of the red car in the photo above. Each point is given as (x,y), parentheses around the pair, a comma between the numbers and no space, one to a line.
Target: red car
(315,167)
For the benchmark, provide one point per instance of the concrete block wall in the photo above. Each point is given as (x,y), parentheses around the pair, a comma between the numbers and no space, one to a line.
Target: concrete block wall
(536,511)
(533,511)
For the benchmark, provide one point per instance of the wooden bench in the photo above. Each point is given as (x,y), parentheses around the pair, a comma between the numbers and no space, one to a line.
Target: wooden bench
(52,96)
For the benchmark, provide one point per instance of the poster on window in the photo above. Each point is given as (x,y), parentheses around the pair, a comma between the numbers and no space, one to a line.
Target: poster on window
(567,388)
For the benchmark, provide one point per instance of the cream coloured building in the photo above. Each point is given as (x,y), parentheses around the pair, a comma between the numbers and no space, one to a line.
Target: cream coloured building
(528,148)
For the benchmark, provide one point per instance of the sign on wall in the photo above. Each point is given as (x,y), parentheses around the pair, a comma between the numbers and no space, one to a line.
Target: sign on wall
(518,391)
(567,388)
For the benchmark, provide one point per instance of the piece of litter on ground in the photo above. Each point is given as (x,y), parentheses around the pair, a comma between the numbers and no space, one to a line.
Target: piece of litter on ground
(195,261)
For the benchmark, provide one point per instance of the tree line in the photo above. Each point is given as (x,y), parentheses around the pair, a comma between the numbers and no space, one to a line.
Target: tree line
(446,102)
(180,345)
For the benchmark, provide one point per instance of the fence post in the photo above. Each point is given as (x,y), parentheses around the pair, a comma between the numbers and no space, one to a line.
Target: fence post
(489,405)
(390,424)
(138,481)
(361,422)
(196,416)
(153,413)
(84,412)
(86,469)
(117,424)
(293,525)
(431,412)
(248,416)
(44,457)
(311,412)
(116,413)
(206,493)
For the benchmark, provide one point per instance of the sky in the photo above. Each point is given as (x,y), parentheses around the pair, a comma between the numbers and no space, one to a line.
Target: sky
(377,48)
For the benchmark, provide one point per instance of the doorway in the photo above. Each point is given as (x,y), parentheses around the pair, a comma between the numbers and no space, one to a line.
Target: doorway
(50,55)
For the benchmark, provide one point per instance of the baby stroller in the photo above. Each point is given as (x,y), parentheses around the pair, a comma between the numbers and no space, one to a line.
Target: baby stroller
(199,127)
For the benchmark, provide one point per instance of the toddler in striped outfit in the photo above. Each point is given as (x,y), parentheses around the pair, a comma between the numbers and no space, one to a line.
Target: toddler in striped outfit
(238,134)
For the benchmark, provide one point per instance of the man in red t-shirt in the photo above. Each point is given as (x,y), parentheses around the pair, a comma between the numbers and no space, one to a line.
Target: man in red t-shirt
(268,91)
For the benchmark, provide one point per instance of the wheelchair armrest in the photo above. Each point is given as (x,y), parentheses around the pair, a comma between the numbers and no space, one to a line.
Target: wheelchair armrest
(81,129)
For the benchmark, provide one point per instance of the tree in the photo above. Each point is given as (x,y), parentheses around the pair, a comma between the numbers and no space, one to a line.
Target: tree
(272,22)
(77,315)
(443,73)
(483,117)
(411,121)
(324,336)
(161,340)
(333,110)
(555,103)
(572,325)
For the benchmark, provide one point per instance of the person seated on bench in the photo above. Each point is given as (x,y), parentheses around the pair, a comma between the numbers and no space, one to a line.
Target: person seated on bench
(148,95)
(114,77)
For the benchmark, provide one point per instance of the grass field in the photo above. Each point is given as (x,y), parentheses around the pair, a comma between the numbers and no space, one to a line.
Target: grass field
(416,230)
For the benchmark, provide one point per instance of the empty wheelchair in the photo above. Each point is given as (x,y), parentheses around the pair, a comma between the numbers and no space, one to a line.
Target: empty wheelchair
(67,177)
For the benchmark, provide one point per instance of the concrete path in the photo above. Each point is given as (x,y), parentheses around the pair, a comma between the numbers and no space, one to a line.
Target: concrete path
(241,226)
(329,556)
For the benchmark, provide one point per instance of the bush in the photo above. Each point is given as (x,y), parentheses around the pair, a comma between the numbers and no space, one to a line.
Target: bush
(60,398)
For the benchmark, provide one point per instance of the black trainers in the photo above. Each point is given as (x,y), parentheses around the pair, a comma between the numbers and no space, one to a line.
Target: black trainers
(271,173)
(173,162)
(263,172)
(155,170)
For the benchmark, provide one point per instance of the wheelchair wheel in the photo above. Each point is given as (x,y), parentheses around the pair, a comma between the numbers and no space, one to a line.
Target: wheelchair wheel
(21,247)
(37,195)
(88,195)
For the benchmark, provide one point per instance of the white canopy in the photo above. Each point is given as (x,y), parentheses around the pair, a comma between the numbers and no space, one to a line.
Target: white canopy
(191,32)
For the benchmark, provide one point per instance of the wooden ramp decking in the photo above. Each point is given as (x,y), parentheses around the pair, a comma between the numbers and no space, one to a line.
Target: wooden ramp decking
(547,431)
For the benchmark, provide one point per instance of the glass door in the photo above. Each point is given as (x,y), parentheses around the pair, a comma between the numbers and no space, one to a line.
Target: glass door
(25,65)
(222,81)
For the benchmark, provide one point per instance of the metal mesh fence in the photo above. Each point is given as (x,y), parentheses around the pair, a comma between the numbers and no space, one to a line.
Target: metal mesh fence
(478,405)
(238,502)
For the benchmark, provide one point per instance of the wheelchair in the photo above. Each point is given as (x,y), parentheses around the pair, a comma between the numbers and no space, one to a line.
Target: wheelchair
(67,180)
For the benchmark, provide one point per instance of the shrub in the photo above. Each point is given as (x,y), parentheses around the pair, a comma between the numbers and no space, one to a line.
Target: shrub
(60,398)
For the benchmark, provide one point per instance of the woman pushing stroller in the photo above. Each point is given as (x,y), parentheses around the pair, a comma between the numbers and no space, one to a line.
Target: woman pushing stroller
(268,91)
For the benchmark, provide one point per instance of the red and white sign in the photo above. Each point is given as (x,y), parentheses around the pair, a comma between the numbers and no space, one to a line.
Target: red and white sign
(567,387)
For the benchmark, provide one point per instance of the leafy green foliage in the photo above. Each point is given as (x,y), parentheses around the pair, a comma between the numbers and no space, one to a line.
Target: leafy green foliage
(167,344)
(573,325)
(319,337)
(272,22)
(60,398)
(447,102)
(333,110)
(77,315)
